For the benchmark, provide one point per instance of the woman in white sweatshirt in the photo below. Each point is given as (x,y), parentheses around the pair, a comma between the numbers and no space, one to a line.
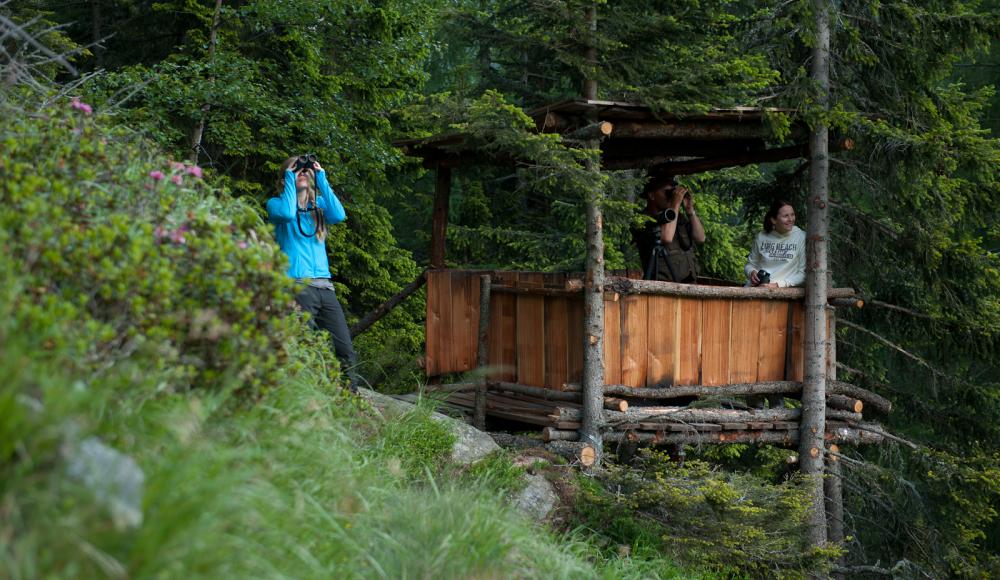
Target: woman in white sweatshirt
(780,250)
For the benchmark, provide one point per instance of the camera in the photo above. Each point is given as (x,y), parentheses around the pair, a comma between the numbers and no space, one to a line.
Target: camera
(763,276)
(304,162)
(666,216)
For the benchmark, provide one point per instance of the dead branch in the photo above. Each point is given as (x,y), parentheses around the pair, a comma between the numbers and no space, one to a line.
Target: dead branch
(893,346)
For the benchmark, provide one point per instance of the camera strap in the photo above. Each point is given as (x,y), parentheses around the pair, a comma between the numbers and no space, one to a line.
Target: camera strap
(298,220)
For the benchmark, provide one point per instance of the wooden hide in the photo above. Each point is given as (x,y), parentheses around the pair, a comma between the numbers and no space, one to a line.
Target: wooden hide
(536,334)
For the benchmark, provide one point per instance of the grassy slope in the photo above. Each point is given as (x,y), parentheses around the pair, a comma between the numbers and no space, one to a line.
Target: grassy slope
(116,325)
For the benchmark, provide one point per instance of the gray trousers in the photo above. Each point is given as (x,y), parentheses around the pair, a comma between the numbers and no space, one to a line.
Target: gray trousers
(328,315)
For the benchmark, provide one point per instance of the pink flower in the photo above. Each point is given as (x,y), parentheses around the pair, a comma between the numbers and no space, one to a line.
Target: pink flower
(175,166)
(156,174)
(160,232)
(194,170)
(79,105)
(242,245)
(177,179)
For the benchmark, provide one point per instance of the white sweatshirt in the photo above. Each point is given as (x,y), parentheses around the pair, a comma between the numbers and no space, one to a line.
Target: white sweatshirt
(783,256)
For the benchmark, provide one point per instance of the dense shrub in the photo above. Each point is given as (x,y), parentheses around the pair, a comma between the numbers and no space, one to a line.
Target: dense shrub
(728,523)
(144,256)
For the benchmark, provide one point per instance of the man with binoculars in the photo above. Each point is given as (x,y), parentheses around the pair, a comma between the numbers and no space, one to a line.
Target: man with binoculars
(300,217)
(666,242)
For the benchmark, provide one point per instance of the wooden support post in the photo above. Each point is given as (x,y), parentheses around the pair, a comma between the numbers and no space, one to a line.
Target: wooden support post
(811,444)
(833,490)
(593,348)
(439,223)
(482,355)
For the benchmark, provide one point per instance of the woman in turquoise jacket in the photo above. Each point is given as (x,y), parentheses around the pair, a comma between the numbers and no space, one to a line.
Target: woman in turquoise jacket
(301,212)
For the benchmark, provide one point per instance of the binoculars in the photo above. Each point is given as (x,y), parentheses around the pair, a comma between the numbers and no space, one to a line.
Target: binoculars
(763,276)
(304,162)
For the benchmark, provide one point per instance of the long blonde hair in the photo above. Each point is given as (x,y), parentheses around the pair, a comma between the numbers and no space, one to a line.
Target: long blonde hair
(317,211)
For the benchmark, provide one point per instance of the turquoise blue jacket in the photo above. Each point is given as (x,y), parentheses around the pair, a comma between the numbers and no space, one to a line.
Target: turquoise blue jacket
(306,255)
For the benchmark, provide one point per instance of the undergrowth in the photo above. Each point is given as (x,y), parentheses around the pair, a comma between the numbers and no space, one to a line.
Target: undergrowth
(164,413)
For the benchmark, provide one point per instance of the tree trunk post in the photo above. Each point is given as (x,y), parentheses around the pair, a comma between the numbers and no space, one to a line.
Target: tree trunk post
(590,55)
(593,332)
(833,489)
(811,445)
(439,223)
(482,354)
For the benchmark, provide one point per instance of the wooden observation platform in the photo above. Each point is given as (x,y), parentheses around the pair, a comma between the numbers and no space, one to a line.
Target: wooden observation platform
(523,335)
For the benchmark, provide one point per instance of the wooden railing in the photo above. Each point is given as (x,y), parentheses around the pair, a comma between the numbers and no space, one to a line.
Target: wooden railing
(536,332)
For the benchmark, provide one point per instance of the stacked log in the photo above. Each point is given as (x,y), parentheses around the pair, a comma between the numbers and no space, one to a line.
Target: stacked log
(639,415)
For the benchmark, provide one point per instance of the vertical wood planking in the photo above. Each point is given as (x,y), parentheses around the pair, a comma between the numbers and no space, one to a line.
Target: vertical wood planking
(661,340)
(689,342)
(773,324)
(574,338)
(438,321)
(716,316)
(503,337)
(530,332)
(635,321)
(556,335)
(796,370)
(744,341)
(612,342)
(465,320)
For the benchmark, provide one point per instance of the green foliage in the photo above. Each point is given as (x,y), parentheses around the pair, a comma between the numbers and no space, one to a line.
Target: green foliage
(415,441)
(136,250)
(496,472)
(730,524)
(685,57)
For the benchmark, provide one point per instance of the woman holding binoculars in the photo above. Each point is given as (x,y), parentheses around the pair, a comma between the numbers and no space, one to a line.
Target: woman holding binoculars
(778,255)
(301,211)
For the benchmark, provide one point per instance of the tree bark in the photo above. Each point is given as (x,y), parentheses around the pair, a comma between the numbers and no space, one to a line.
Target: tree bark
(574,452)
(844,403)
(622,285)
(813,426)
(590,55)
(593,349)
(864,434)
(680,392)
(833,490)
(384,308)
(482,355)
(598,130)
(199,128)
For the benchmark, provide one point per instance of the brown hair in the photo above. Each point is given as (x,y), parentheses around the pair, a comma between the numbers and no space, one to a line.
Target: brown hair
(320,219)
(772,213)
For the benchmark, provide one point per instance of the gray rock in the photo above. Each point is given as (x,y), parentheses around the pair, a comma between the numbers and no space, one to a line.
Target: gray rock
(114,478)
(471,444)
(537,499)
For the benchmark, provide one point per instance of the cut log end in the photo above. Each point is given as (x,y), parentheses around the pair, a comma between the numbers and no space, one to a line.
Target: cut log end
(587,456)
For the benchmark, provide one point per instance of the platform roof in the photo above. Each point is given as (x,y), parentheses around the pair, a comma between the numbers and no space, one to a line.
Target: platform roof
(642,137)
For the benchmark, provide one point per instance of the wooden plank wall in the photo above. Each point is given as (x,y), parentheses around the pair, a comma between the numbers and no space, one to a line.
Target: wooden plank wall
(648,340)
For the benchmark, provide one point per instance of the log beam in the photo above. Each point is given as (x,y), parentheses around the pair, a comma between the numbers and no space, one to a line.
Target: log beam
(387,306)
(573,452)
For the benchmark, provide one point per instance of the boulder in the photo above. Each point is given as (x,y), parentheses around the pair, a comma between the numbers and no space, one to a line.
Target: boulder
(471,444)
(537,499)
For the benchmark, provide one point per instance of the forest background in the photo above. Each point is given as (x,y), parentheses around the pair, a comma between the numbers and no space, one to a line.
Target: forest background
(234,89)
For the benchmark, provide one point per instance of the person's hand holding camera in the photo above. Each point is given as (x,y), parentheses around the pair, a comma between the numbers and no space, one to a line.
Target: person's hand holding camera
(762,279)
